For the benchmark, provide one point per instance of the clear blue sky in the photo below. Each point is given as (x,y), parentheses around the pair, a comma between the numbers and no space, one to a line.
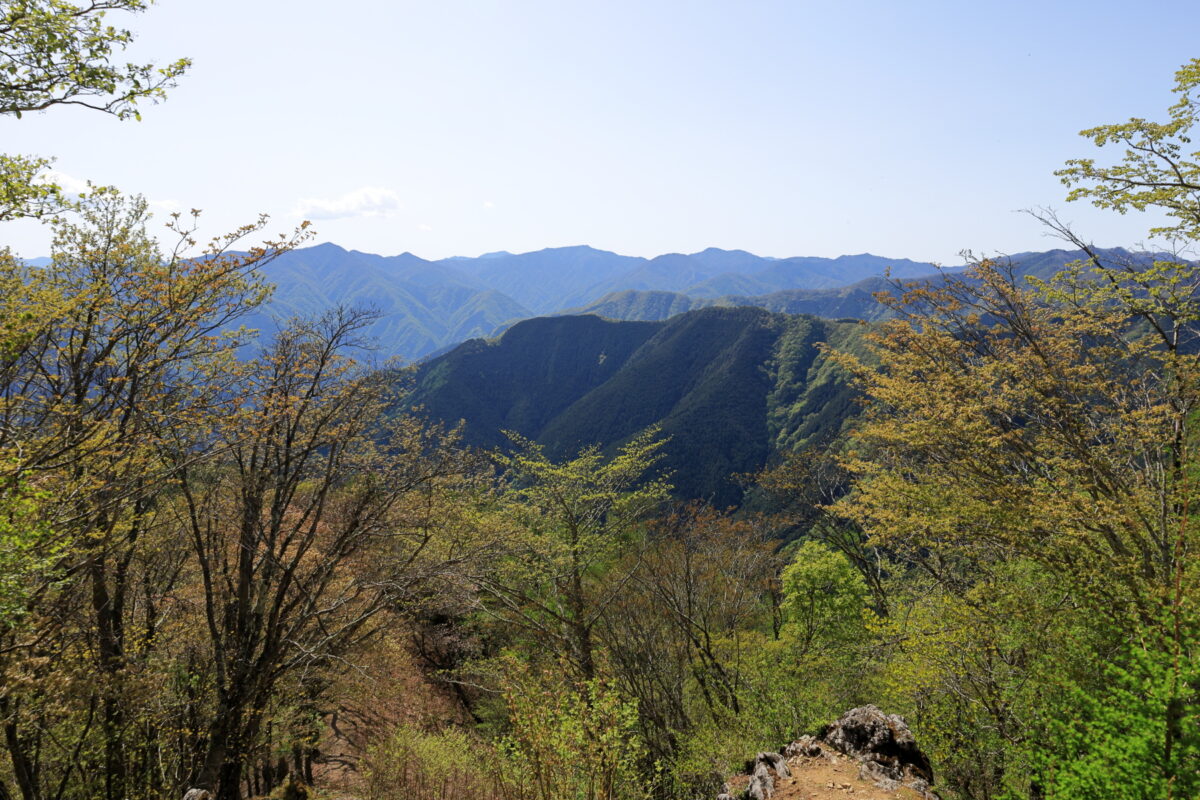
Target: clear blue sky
(908,129)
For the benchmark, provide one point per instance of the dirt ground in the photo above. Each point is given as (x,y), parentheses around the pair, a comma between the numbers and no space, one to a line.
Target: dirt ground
(825,778)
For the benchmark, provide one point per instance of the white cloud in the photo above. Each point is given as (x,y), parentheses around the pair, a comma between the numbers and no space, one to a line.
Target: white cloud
(68,183)
(166,205)
(366,201)
(424,227)
(488,204)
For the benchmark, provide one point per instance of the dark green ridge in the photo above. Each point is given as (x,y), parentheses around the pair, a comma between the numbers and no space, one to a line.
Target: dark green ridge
(731,387)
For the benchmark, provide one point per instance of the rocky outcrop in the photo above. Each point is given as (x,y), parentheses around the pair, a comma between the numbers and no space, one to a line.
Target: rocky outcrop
(881,745)
(882,742)
(884,746)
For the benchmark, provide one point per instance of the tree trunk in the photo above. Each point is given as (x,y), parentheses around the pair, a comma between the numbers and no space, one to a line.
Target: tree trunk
(24,771)
(107,608)
(229,781)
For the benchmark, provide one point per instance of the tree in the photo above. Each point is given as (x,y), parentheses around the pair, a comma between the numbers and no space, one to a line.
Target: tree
(310,521)
(201,534)
(60,53)
(569,740)
(111,352)
(805,484)
(1157,170)
(1030,456)
(824,599)
(1138,738)
(568,524)
(676,636)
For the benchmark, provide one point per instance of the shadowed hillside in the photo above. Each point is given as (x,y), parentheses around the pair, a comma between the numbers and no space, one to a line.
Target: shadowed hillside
(730,386)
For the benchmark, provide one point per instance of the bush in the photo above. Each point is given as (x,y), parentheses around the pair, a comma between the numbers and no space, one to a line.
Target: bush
(571,742)
(414,765)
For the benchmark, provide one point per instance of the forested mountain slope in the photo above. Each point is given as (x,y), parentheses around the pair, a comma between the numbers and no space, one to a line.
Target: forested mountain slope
(729,386)
(856,301)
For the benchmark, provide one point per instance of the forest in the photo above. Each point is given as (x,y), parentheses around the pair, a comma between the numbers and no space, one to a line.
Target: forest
(242,566)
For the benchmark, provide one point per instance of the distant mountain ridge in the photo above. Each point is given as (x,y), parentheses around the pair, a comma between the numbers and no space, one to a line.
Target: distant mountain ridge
(426,306)
(855,301)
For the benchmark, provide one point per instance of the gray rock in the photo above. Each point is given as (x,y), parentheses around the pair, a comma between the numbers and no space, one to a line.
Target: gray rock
(776,762)
(882,744)
(804,746)
(762,785)
(882,741)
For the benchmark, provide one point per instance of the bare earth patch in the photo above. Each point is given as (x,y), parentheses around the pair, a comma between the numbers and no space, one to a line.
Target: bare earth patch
(825,777)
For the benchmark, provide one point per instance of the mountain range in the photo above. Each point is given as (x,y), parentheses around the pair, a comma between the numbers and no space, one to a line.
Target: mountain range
(427,306)
(732,380)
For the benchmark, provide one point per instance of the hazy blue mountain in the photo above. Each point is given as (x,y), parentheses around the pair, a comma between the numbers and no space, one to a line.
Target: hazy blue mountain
(549,279)
(737,262)
(423,305)
(1045,264)
(716,273)
(806,272)
(857,300)
(729,386)
(556,278)
(427,306)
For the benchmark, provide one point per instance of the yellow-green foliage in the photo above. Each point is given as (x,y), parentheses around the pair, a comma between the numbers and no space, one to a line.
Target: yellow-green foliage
(27,551)
(818,665)
(1025,460)
(57,52)
(1159,167)
(449,764)
(974,667)
(824,601)
(571,742)
(1135,734)
(564,741)
(1029,460)
(568,524)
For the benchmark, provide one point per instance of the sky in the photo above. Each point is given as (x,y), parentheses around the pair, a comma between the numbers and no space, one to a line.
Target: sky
(911,129)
